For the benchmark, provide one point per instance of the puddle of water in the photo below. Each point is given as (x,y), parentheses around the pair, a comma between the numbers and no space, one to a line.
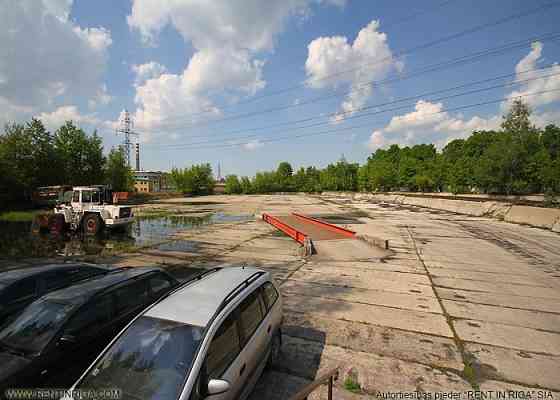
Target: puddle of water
(17,241)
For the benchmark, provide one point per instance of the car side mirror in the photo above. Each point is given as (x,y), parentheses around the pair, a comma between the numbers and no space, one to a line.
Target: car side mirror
(217,386)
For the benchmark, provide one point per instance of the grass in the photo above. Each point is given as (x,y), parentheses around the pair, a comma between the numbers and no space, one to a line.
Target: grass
(469,374)
(19,216)
(351,384)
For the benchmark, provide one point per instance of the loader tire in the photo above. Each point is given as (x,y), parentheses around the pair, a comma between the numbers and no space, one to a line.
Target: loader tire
(40,224)
(92,224)
(56,224)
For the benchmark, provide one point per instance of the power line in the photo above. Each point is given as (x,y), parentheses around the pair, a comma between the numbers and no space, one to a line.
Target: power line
(392,57)
(415,97)
(459,61)
(417,14)
(368,125)
(385,26)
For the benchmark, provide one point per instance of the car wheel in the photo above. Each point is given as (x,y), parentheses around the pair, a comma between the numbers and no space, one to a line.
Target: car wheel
(275,348)
(92,224)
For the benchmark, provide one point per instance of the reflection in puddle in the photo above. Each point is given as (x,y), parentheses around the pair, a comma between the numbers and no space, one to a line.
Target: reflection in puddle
(16,241)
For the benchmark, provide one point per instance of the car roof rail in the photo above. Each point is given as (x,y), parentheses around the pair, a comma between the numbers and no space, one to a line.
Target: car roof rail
(238,289)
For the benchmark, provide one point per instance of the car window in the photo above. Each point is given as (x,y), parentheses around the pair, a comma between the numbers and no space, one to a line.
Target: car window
(19,290)
(151,360)
(270,295)
(224,348)
(86,196)
(131,296)
(76,196)
(251,315)
(95,197)
(32,330)
(159,285)
(90,318)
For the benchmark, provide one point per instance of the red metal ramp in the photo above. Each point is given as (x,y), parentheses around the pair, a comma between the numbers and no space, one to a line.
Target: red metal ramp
(300,227)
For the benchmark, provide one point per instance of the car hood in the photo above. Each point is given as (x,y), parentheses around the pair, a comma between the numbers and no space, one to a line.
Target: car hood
(11,366)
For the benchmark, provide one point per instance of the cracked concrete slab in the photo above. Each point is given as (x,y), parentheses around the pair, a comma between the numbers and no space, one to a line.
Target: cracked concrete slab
(514,337)
(509,316)
(372,372)
(378,315)
(337,291)
(498,287)
(517,366)
(499,299)
(409,346)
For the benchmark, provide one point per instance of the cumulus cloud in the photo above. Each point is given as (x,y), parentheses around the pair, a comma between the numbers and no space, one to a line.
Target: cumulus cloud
(53,120)
(147,71)
(530,62)
(368,58)
(47,60)
(102,97)
(429,122)
(229,42)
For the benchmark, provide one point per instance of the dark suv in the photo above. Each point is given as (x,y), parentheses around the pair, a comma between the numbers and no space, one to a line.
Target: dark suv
(19,287)
(58,336)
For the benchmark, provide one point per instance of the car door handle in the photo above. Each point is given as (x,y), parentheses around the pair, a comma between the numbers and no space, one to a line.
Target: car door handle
(242,369)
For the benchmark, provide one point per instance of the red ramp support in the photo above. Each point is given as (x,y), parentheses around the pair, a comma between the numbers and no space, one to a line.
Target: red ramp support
(326,225)
(288,230)
(298,236)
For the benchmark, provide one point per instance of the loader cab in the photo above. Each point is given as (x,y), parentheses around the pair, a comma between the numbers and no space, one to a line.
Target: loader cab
(84,198)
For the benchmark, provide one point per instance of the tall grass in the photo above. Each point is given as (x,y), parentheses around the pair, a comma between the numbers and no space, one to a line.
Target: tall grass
(18,216)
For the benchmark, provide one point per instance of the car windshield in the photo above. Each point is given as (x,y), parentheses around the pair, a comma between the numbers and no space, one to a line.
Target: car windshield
(35,327)
(150,361)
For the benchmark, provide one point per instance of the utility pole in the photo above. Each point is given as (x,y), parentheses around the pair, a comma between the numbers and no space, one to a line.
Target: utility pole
(126,130)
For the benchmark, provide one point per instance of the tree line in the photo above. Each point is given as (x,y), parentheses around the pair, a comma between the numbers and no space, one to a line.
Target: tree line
(517,159)
(31,157)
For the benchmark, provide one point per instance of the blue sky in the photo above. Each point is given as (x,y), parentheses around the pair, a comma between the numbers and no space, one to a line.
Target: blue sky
(180,67)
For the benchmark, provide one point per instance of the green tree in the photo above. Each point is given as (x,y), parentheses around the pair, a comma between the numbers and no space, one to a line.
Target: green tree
(284,174)
(517,121)
(195,180)
(246,187)
(28,158)
(233,186)
(119,175)
(80,158)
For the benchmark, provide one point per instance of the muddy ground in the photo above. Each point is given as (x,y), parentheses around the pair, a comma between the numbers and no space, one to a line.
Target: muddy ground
(458,303)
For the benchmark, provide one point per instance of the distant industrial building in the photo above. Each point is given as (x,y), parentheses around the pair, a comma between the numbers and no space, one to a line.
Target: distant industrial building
(151,181)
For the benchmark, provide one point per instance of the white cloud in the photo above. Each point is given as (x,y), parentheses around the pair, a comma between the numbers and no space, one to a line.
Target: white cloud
(53,120)
(377,140)
(229,41)
(253,145)
(102,97)
(148,71)
(428,123)
(368,58)
(530,62)
(424,114)
(47,60)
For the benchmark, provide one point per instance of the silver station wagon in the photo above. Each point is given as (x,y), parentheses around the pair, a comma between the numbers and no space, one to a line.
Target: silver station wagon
(212,337)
